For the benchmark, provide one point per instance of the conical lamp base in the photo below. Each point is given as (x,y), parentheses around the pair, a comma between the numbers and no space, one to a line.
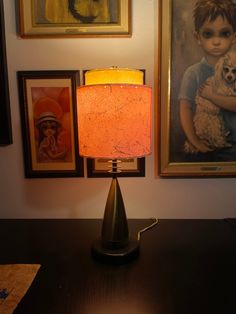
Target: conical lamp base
(114,244)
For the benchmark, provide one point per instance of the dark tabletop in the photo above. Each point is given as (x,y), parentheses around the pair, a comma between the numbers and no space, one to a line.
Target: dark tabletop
(184,267)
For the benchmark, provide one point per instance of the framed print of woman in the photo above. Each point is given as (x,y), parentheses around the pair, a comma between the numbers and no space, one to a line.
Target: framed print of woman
(76,11)
(210,27)
(74,18)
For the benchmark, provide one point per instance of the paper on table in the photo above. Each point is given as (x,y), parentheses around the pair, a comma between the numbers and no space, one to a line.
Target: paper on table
(15,280)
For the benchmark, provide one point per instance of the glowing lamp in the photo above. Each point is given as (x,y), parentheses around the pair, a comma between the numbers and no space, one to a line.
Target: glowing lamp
(114,121)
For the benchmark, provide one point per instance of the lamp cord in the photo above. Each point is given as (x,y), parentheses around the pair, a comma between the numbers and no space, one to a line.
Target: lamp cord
(155,222)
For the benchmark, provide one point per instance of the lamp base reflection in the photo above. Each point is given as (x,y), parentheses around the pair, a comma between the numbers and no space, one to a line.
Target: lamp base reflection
(115,255)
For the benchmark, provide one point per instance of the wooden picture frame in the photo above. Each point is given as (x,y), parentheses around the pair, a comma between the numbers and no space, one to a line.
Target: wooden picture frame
(49,123)
(99,167)
(5,115)
(41,18)
(179,50)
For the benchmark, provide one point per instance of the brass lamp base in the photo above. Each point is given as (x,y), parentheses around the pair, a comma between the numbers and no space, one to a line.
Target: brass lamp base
(114,245)
(115,255)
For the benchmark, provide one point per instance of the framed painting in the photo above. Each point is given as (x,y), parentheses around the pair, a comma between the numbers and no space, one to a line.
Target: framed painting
(197,135)
(71,18)
(49,126)
(99,167)
(5,118)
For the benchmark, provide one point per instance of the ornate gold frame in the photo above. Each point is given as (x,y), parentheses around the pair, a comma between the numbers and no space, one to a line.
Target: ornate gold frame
(166,68)
(30,29)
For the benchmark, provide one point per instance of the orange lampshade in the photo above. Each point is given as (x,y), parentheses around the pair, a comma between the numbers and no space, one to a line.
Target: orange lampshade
(113,75)
(114,120)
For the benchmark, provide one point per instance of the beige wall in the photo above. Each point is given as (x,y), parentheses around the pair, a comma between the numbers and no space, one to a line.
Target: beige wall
(82,197)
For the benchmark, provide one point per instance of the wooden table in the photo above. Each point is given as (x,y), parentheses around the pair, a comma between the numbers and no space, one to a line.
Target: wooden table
(184,267)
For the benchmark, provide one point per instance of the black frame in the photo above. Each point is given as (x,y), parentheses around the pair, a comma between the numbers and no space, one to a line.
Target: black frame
(23,76)
(5,115)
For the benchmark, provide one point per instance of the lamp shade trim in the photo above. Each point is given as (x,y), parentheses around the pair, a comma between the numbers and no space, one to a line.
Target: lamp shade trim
(113,75)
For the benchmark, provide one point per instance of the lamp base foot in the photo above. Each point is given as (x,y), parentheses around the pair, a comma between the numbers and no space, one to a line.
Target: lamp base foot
(121,255)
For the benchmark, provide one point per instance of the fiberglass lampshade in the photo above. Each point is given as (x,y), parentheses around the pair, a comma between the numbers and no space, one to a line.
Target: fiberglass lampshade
(114,120)
(113,75)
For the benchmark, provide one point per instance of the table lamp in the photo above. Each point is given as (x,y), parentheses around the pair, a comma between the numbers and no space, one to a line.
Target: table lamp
(114,122)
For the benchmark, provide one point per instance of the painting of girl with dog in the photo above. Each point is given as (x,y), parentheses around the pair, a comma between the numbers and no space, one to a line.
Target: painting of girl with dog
(203,82)
(211,93)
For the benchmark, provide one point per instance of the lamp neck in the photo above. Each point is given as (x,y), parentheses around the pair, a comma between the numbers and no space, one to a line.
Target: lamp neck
(115,167)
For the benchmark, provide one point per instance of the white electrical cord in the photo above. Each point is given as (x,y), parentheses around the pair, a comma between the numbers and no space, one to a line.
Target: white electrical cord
(155,222)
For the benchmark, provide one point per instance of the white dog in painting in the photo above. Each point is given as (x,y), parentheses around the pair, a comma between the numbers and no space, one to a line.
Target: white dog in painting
(208,122)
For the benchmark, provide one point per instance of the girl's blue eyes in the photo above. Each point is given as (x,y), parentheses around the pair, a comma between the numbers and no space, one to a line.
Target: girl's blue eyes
(222,34)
